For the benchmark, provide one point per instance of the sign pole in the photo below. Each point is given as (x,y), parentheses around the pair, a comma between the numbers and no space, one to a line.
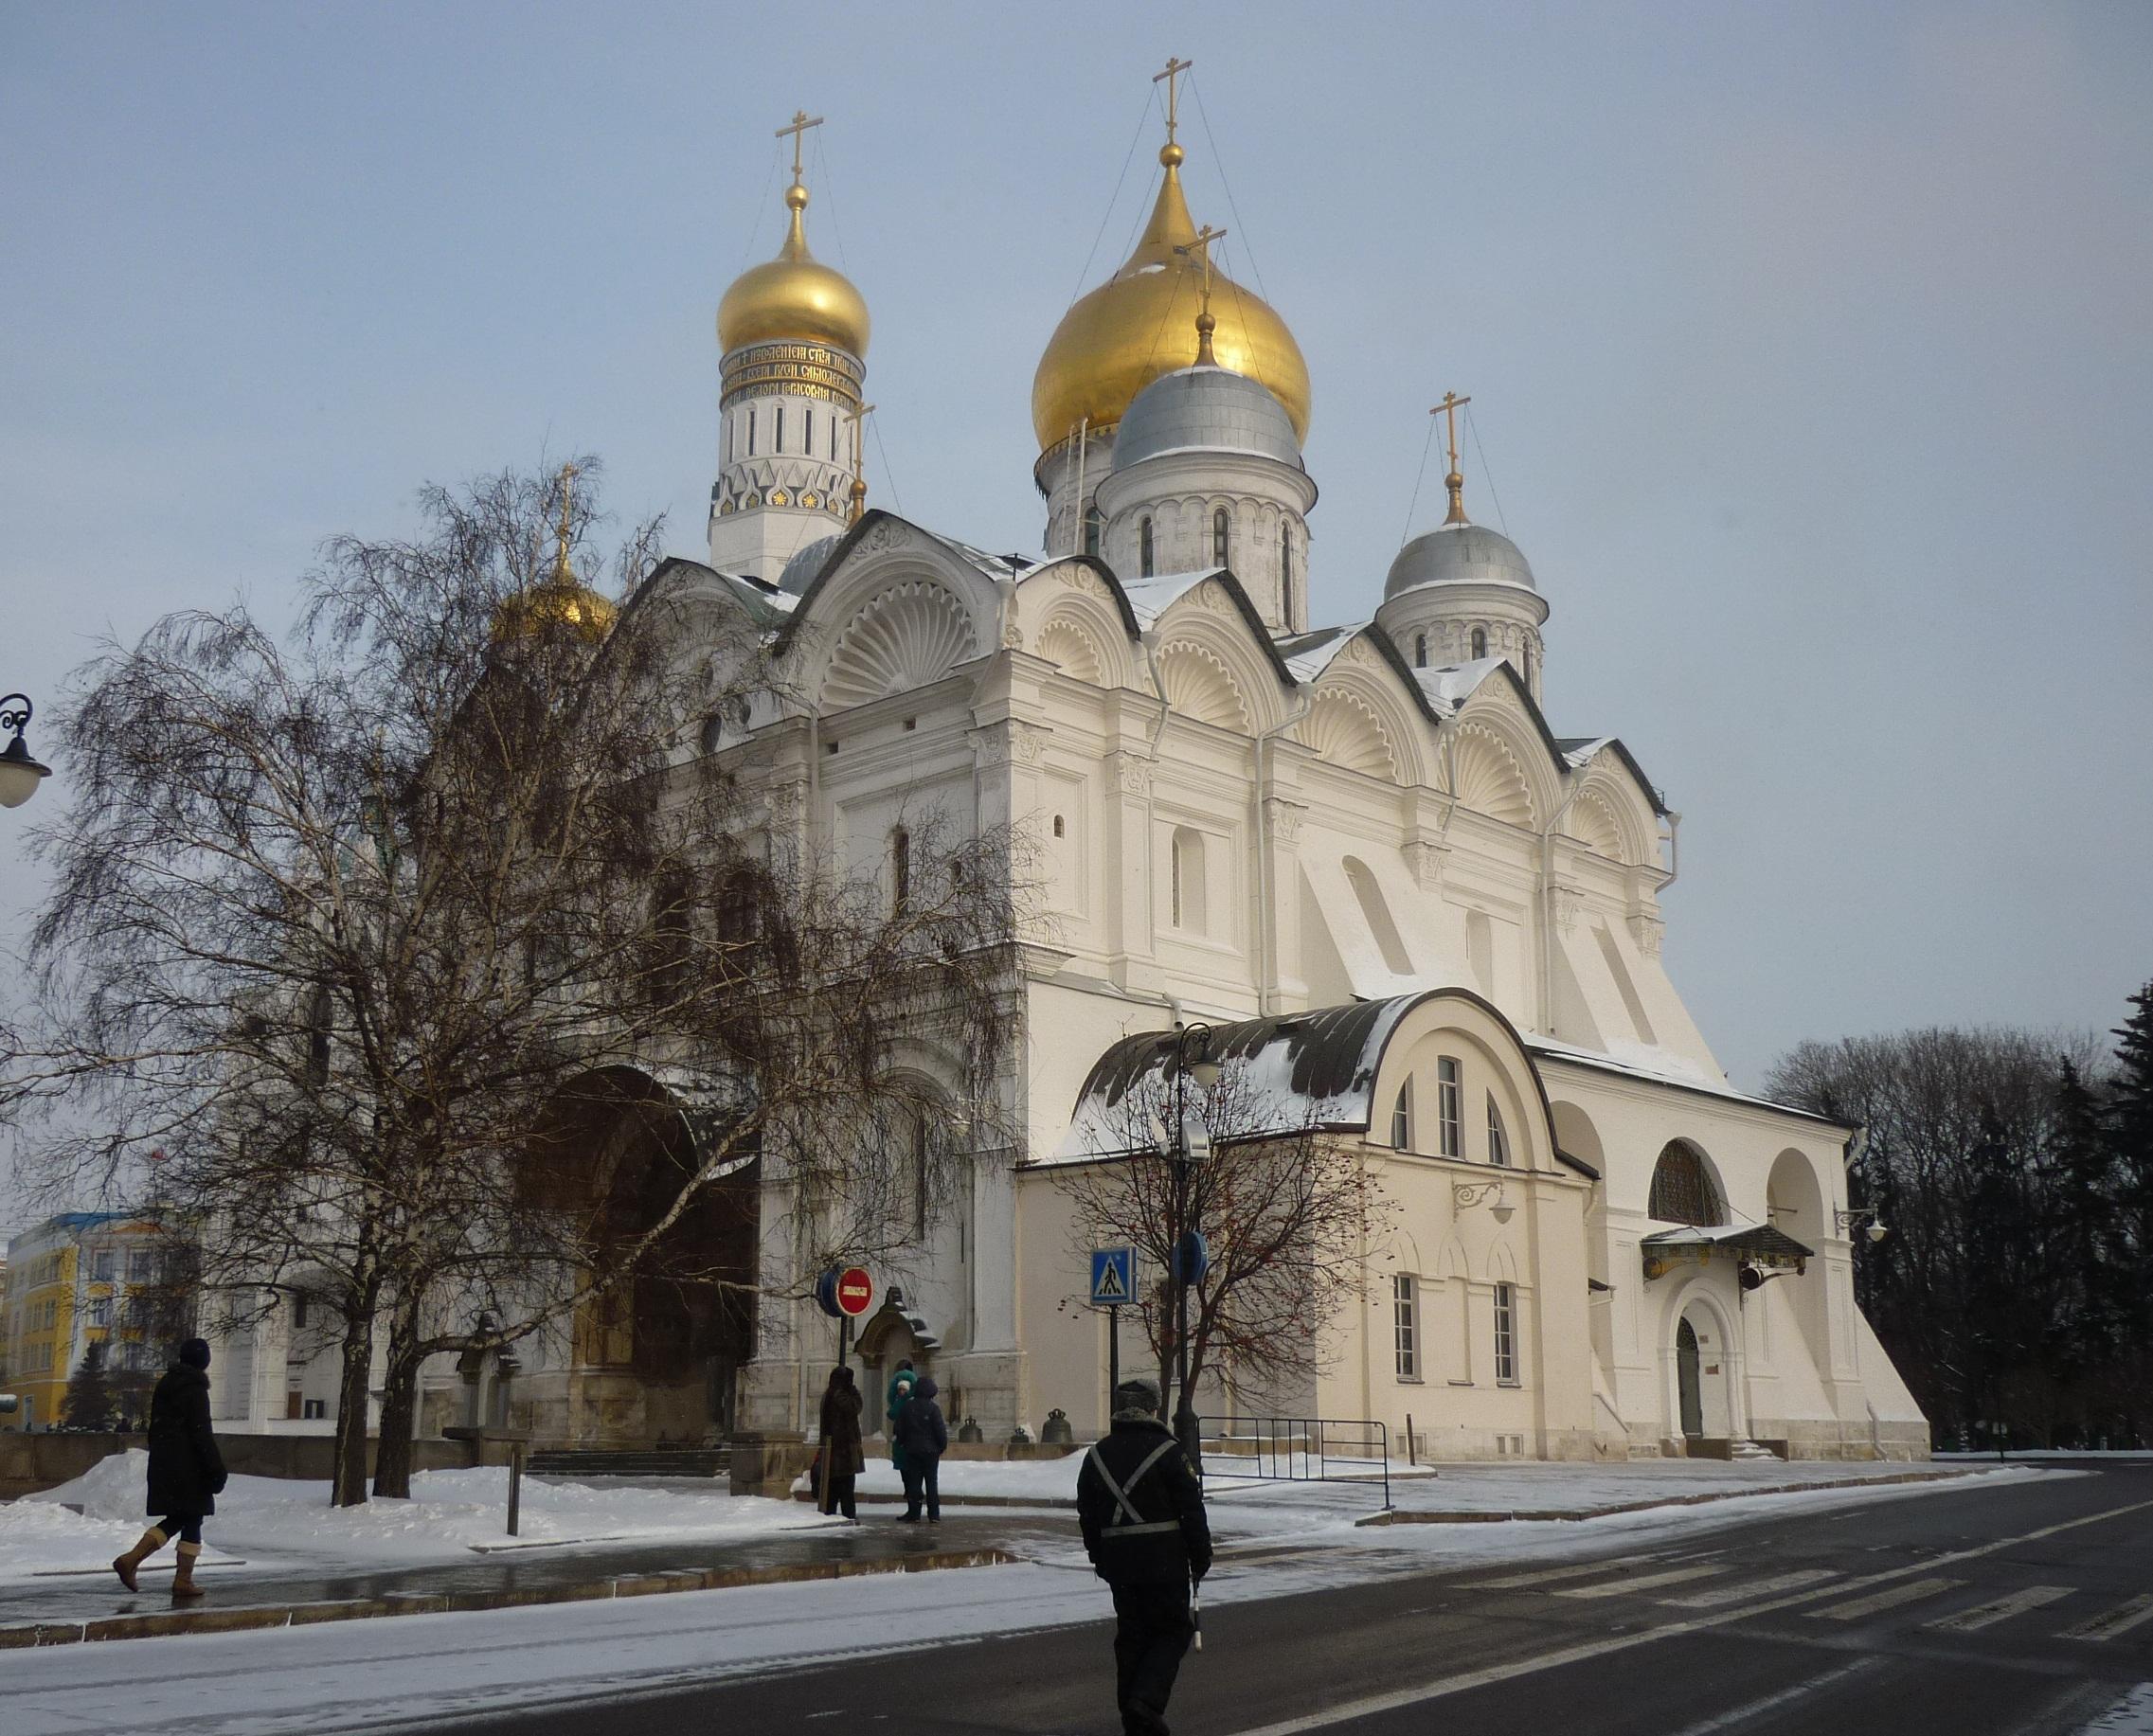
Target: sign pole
(1113,1358)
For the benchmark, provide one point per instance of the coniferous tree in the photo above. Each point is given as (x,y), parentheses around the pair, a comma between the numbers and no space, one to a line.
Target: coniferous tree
(88,1402)
(2131,1133)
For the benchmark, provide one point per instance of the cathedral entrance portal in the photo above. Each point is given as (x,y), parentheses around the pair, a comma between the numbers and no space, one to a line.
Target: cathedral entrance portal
(1704,1380)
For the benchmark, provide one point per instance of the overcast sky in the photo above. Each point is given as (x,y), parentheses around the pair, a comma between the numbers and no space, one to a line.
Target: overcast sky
(1811,350)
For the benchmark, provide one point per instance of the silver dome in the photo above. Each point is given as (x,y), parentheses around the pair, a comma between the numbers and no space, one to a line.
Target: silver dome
(1205,408)
(1459,554)
(800,571)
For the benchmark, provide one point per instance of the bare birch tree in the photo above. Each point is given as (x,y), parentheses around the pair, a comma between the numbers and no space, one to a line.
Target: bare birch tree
(362,928)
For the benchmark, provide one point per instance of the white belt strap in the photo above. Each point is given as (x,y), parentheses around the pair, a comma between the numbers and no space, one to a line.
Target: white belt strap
(1129,1522)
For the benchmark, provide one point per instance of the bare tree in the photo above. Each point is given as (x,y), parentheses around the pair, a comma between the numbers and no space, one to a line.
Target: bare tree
(381,934)
(1287,1212)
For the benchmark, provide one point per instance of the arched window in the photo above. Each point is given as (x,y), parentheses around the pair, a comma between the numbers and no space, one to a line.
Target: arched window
(1402,1118)
(807,431)
(1499,1141)
(778,444)
(751,434)
(1094,522)
(923,1172)
(1480,643)
(1286,573)
(1186,902)
(1683,1190)
(740,909)
(1449,1109)
(1528,663)
(1219,524)
(1143,547)
(900,870)
(1420,650)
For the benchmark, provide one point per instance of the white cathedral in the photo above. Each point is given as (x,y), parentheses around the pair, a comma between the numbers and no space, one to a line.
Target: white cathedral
(1359,852)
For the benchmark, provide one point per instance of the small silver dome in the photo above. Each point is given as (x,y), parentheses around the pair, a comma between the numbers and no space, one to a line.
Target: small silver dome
(801,570)
(1459,554)
(1205,408)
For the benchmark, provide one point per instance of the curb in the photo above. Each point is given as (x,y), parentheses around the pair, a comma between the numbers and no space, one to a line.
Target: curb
(879,1499)
(164,1624)
(1498,1517)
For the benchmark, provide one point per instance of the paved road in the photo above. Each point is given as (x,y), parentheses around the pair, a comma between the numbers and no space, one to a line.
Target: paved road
(2025,1608)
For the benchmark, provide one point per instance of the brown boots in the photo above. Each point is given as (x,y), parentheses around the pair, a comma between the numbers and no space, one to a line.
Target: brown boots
(151,1542)
(182,1581)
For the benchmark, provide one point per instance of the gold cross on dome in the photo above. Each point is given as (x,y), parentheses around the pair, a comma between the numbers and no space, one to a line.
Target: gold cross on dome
(1201,247)
(563,573)
(1171,77)
(797,131)
(1455,481)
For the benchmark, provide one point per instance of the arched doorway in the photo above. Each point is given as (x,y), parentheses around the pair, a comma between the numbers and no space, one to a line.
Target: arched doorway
(1689,1402)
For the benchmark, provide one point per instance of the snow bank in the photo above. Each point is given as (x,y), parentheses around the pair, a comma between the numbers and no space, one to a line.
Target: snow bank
(280,1526)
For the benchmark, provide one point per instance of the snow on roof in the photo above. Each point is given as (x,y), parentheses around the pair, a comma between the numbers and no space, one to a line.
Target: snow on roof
(1452,686)
(1290,1073)
(1151,598)
(1660,1066)
(1308,654)
(1579,750)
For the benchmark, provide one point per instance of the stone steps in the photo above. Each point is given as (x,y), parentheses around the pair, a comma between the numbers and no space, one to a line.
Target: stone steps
(653,1461)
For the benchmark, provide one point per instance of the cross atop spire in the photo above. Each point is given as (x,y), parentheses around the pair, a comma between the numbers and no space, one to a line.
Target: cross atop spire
(797,132)
(1170,153)
(1455,481)
(563,573)
(1201,246)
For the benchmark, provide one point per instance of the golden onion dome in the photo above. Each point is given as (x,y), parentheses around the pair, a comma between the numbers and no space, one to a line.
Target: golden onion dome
(793,298)
(559,600)
(1142,323)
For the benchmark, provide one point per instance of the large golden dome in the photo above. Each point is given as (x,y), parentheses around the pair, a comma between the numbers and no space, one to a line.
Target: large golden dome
(793,298)
(1142,323)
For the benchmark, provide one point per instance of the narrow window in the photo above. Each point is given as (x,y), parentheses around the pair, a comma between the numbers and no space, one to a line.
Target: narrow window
(1057,825)
(1218,537)
(751,434)
(299,1301)
(922,1172)
(1499,1141)
(1405,1324)
(1449,1117)
(1286,572)
(1188,880)
(900,870)
(1420,650)
(778,443)
(1402,1118)
(1143,549)
(807,431)
(1093,524)
(1506,1334)
(832,439)
(1480,643)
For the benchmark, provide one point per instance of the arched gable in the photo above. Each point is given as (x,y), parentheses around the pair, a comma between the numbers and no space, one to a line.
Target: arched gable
(1198,683)
(1346,731)
(1071,644)
(1594,822)
(1487,775)
(907,633)
(1211,628)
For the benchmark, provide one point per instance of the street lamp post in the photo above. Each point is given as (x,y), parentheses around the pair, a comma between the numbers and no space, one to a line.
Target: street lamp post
(19,773)
(1191,1059)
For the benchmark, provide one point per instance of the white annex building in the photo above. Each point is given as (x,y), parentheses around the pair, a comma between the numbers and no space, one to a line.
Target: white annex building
(1361,851)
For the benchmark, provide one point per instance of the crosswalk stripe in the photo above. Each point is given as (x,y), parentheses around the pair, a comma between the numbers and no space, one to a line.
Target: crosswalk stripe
(1891,1596)
(1718,1595)
(2111,1624)
(1642,1581)
(1545,1576)
(2002,1609)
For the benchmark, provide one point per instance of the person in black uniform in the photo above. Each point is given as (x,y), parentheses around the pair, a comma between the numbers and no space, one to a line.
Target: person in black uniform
(187,1472)
(1142,1513)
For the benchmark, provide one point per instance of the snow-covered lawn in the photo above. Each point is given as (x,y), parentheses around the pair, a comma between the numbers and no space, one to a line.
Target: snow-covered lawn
(280,1526)
(374,1674)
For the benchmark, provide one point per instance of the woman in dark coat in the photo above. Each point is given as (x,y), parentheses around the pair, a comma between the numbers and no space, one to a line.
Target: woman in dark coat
(843,1456)
(187,1472)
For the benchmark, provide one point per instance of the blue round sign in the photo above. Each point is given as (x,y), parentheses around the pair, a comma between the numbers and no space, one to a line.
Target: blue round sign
(1191,1258)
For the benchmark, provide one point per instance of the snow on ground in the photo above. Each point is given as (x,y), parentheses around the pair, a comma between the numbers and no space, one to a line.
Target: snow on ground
(277,1525)
(422,1669)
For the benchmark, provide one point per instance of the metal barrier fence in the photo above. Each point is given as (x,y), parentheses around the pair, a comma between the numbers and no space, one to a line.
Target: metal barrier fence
(1298,1450)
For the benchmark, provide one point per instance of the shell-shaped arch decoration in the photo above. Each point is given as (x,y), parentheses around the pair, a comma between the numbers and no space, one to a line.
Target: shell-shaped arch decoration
(1593,824)
(1345,731)
(1069,643)
(1490,781)
(1198,685)
(905,636)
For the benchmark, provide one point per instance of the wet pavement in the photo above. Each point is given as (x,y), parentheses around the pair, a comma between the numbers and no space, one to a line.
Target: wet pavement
(73,1598)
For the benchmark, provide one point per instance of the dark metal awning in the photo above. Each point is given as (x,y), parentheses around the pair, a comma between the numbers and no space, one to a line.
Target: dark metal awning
(1699,1245)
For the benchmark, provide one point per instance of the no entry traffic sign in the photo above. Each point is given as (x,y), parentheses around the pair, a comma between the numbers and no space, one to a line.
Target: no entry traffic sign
(856,1291)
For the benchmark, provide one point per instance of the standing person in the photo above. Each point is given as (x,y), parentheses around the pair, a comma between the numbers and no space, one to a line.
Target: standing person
(843,1453)
(900,1393)
(187,1472)
(925,1436)
(1142,1513)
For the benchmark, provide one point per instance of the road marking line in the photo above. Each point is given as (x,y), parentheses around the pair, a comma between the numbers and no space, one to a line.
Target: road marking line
(2114,1622)
(1444,1687)
(1889,1598)
(1643,1581)
(1772,1702)
(2002,1609)
(1720,1595)
(1546,1576)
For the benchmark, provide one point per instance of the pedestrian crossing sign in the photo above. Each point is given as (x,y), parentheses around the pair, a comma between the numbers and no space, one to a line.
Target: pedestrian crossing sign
(1113,1276)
